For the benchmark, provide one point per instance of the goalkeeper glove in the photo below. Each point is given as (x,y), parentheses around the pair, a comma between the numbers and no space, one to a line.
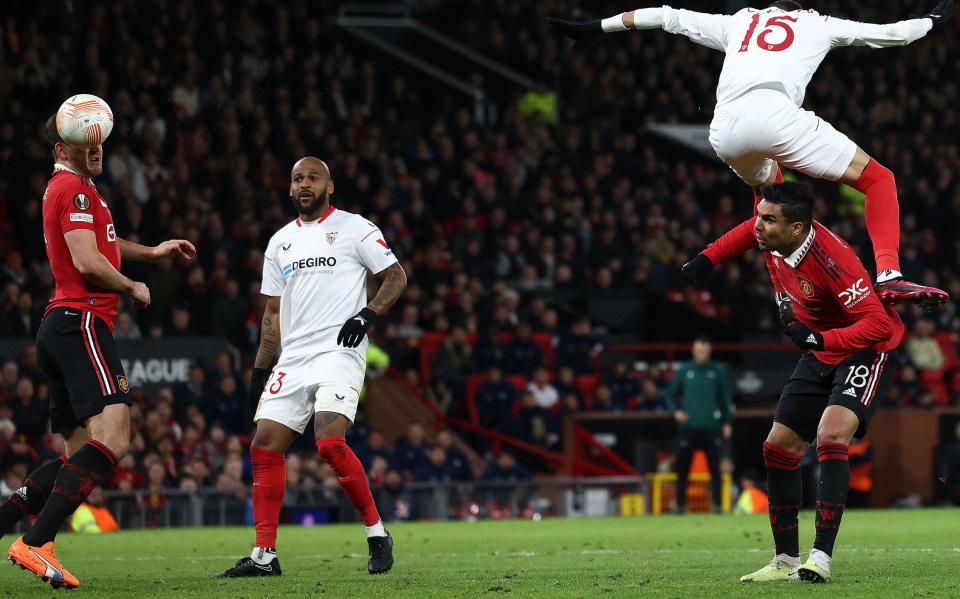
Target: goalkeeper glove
(941,12)
(698,270)
(803,336)
(581,33)
(353,331)
(785,309)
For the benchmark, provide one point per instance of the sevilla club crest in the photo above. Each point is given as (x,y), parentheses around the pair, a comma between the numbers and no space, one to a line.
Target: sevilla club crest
(331,237)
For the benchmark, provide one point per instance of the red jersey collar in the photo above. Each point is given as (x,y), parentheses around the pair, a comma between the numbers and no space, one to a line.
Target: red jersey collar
(329,211)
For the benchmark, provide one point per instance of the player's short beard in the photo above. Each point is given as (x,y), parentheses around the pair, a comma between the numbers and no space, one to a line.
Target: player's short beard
(306,210)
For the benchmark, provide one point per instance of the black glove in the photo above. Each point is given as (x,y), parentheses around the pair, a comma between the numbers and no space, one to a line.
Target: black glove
(803,337)
(785,309)
(941,13)
(258,380)
(698,270)
(581,33)
(352,332)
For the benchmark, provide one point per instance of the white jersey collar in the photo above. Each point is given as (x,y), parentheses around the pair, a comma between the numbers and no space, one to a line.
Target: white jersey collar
(798,254)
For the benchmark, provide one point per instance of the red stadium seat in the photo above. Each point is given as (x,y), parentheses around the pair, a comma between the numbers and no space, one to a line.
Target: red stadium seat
(545,342)
(587,384)
(517,380)
(430,343)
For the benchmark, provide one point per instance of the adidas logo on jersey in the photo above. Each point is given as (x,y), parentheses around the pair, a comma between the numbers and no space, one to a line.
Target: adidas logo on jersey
(812,338)
(21,493)
(851,392)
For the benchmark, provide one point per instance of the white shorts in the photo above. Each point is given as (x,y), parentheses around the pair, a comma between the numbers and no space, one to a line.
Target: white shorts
(300,386)
(764,126)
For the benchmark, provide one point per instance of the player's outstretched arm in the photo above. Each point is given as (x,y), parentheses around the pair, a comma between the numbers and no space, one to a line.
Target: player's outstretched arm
(853,33)
(706,29)
(173,248)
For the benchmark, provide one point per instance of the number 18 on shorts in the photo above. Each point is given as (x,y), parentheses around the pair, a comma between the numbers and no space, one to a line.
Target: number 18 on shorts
(300,386)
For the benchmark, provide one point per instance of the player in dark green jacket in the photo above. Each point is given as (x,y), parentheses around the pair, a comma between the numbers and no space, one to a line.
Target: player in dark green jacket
(704,414)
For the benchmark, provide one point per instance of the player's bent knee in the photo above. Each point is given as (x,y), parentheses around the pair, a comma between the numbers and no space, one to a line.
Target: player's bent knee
(834,435)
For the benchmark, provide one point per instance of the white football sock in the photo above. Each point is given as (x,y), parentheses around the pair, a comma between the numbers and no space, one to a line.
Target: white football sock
(789,560)
(263,555)
(377,530)
(822,559)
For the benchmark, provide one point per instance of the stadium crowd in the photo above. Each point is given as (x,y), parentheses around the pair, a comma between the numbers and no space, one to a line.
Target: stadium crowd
(498,224)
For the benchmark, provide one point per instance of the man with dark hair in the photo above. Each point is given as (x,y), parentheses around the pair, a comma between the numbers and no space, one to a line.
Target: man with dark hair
(89,393)
(850,339)
(703,415)
(759,124)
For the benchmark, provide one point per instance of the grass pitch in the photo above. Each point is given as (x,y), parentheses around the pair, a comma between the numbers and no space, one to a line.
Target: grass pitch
(879,554)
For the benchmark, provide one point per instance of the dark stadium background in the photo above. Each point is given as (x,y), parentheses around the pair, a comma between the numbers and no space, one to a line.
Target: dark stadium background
(501,218)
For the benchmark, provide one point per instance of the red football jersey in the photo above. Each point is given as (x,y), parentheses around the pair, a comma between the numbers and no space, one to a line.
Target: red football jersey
(832,294)
(72,202)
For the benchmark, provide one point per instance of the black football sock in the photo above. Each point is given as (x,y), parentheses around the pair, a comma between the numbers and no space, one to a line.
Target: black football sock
(832,492)
(78,476)
(786,493)
(30,497)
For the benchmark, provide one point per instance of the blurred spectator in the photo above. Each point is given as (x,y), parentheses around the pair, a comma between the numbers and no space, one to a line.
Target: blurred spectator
(411,452)
(752,499)
(453,361)
(21,320)
(92,516)
(623,384)
(923,349)
(578,348)
(522,355)
(393,499)
(651,399)
(543,392)
(495,399)
(533,424)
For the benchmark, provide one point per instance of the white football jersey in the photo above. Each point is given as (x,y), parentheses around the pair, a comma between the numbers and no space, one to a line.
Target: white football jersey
(771,46)
(319,271)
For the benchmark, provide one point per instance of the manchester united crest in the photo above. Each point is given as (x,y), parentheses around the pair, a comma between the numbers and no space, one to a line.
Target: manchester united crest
(331,237)
(806,287)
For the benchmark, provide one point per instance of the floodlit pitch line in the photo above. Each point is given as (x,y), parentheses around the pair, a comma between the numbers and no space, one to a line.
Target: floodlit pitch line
(144,558)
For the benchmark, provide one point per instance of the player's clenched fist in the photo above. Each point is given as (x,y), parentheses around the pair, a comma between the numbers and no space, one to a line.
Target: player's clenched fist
(353,331)
(803,336)
(140,294)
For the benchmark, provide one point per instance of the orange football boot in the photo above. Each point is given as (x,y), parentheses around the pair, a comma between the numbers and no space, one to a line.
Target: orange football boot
(43,562)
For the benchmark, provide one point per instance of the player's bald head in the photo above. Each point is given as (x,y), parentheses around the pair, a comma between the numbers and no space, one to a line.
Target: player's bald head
(311,164)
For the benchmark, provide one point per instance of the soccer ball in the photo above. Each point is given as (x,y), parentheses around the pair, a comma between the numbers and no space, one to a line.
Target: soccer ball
(84,120)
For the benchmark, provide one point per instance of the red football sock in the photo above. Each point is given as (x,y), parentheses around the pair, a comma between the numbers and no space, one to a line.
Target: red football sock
(882,213)
(269,485)
(350,474)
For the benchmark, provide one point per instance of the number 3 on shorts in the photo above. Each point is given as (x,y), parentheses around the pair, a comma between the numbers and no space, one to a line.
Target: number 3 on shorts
(277,384)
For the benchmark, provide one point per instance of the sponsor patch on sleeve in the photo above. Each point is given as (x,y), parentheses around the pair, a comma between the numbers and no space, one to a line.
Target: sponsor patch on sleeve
(79,217)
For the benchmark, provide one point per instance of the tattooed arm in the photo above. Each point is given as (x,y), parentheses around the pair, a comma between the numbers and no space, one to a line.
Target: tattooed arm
(392,283)
(269,335)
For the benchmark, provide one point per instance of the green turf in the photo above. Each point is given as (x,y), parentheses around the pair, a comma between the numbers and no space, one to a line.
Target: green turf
(880,553)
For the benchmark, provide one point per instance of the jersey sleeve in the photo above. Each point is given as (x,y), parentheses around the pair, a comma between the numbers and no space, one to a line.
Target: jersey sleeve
(703,28)
(873,35)
(854,293)
(75,209)
(373,250)
(273,280)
